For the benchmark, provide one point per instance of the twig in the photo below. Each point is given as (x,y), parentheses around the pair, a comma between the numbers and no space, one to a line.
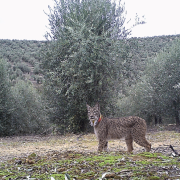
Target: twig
(175,152)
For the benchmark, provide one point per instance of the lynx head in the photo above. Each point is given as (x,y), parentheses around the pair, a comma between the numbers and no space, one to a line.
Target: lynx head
(94,114)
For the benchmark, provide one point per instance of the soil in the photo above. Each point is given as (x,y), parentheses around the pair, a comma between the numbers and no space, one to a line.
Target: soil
(23,146)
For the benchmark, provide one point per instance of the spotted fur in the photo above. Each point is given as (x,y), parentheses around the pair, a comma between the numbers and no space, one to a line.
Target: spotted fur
(132,128)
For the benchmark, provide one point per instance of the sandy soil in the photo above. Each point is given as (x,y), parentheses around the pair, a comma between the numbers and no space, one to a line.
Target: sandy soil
(22,146)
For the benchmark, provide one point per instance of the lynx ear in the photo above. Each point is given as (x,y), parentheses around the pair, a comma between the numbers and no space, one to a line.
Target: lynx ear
(87,106)
(97,106)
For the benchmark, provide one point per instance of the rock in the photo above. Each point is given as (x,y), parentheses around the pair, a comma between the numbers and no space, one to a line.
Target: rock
(19,162)
(61,169)
(28,161)
(108,175)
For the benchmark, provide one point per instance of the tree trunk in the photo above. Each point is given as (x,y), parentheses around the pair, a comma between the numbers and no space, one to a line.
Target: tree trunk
(176,113)
(155,120)
(160,120)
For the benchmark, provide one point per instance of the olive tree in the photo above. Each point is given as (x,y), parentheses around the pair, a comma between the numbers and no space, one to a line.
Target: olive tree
(84,58)
(5,99)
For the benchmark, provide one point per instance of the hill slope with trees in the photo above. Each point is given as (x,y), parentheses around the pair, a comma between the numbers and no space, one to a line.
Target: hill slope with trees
(156,94)
(22,83)
(22,108)
(24,56)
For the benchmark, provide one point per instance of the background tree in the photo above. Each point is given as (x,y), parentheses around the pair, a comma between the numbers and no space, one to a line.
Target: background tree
(157,93)
(22,109)
(5,99)
(84,58)
(29,115)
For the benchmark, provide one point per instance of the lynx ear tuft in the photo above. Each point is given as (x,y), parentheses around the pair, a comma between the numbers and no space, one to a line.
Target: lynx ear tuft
(87,106)
(97,105)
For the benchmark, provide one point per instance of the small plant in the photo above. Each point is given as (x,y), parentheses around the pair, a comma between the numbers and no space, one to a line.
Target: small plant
(154,178)
(36,69)
(24,68)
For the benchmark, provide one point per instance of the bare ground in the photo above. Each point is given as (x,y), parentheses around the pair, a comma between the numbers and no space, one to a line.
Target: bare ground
(22,146)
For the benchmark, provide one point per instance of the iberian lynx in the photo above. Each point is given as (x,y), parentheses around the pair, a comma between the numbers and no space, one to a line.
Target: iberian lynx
(132,128)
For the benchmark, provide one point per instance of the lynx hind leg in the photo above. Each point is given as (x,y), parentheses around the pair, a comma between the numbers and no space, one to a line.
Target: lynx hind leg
(129,142)
(138,133)
(139,137)
(102,145)
(143,142)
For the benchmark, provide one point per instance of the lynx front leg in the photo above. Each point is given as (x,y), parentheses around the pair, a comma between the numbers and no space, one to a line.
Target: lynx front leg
(102,145)
(129,143)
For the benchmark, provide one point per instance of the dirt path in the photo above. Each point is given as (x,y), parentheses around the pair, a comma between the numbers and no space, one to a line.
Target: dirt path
(13,147)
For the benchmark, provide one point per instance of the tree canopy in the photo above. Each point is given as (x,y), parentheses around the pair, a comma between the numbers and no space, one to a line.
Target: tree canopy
(85,57)
(157,93)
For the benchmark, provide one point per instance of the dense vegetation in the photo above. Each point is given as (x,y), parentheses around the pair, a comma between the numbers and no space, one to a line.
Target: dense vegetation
(142,50)
(156,94)
(23,59)
(22,110)
(87,58)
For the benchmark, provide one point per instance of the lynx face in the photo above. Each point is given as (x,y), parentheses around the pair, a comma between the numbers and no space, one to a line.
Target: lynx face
(93,114)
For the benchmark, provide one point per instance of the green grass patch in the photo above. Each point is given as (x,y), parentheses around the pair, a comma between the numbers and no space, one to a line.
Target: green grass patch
(90,165)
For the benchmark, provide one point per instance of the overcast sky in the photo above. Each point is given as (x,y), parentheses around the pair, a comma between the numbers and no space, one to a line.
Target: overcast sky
(25,19)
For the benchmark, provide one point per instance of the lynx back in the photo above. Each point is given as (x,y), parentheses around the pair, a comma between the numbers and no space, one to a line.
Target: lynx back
(132,128)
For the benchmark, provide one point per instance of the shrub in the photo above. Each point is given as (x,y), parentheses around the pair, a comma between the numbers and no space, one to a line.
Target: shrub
(29,115)
(5,100)
(24,68)
(36,69)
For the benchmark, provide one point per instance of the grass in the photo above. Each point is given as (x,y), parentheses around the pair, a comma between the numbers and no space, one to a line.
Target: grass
(79,159)
(90,165)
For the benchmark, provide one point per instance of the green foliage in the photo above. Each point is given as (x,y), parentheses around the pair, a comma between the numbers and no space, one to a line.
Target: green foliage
(5,100)
(22,109)
(29,115)
(36,69)
(89,63)
(83,61)
(142,49)
(65,166)
(21,56)
(157,92)
(24,68)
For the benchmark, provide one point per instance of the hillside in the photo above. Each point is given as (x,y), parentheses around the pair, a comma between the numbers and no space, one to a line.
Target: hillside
(148,47)
(23,56)
(142,49)
(26,111)
(23,59)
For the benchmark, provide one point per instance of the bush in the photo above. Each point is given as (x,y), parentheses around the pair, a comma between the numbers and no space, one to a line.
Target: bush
(157,93)
(22,110)
(24,68)
(36,69)
(29,115)
(5,100)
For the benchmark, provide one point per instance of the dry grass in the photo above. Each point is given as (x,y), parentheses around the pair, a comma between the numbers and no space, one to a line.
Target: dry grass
(22,146)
